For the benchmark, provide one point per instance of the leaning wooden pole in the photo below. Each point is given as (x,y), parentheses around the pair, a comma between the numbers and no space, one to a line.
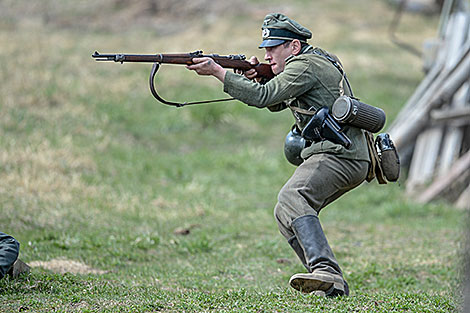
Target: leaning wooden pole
(460,167)
(443,89)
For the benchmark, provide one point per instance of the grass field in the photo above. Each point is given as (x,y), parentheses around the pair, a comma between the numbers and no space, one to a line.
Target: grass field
(152,208)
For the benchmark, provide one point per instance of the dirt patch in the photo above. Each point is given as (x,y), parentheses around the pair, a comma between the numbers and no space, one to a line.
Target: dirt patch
(63,266)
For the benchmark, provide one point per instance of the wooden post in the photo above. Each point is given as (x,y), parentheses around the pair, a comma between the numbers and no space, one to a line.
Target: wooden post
(460,167)
(424,158)
(454,136)
(433,120)
(428,142)
(443,89)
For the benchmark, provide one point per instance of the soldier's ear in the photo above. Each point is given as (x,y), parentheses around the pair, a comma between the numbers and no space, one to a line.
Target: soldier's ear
(296,46)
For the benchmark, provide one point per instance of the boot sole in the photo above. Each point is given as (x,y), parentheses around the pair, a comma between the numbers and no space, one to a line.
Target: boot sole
(308,283)
(339,285)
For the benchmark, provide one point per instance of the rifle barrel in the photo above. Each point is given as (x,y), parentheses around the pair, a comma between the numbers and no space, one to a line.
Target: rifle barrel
(118,57)
(230,61)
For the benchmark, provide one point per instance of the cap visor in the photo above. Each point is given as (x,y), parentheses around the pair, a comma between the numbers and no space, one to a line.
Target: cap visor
(271,43)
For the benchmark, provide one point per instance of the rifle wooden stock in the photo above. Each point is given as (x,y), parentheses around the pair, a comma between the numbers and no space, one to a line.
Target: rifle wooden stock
(231,61)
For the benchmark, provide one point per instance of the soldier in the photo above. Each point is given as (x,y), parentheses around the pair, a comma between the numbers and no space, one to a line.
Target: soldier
(306,79)
(9,249)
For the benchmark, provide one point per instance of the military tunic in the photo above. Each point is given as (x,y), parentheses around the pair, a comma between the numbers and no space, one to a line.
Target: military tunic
(309,81)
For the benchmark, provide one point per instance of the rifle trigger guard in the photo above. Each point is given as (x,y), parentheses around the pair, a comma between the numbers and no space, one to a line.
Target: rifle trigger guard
(153,72)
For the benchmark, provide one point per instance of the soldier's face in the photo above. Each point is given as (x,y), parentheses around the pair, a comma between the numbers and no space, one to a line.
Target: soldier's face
(276,56)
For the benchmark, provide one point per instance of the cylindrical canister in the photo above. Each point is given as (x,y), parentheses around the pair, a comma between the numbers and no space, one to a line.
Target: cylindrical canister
(347,110)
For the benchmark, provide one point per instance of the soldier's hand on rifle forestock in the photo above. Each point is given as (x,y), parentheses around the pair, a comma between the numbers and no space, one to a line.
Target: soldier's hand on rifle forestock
(207,66)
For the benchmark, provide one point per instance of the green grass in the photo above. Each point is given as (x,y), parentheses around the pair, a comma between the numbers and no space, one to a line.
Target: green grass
(95,171)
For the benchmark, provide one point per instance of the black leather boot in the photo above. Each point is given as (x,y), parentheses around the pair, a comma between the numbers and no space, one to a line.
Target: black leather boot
(294,243)
(325,273)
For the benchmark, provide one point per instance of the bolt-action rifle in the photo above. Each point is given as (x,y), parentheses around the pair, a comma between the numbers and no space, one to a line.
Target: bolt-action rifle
(237,62)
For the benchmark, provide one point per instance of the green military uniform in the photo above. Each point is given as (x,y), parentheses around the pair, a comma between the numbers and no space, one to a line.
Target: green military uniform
(309,81)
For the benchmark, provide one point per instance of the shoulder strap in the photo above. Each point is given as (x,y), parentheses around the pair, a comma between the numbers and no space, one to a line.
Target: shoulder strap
(336,63)
(301,111)
(296,109)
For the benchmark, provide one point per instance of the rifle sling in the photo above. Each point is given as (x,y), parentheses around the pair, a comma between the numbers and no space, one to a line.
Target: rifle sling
(153,72)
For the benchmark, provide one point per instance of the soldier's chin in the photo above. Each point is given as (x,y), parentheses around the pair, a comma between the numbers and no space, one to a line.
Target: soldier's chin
(275,69)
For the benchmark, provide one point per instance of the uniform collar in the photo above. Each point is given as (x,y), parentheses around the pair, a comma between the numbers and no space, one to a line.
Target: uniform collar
(306,50)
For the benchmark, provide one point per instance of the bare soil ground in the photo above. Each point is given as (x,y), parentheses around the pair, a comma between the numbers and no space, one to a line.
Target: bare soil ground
(63,266)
